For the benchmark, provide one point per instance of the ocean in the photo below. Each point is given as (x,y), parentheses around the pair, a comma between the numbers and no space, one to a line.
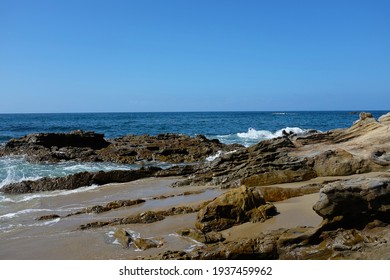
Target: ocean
(246,128)
(23,236)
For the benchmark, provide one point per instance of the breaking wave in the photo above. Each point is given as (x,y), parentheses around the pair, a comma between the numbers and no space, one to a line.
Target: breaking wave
(253,136)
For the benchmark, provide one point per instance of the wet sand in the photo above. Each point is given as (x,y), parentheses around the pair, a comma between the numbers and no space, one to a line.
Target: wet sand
(293,212)
(23,237)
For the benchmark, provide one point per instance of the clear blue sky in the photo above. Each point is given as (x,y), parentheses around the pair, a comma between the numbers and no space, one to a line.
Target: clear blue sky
(194,55)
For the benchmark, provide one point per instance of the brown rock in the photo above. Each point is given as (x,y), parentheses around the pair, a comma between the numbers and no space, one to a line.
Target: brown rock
(145,244)
(234,207)
(338,162)
(78,180)
(123,237)
(273,194)
(48,217)
(354,203)
(207,238)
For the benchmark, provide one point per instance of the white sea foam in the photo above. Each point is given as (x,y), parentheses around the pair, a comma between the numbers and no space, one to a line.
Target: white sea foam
(17,169)
(265,134)
(213,157)
(28,197)
(21,212)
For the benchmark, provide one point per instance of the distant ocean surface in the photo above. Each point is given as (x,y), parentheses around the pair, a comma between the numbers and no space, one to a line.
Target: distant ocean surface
(245,128)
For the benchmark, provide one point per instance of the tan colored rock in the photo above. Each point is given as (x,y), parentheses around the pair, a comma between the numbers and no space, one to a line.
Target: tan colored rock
(123,237)
(385,118)
(234,207)
(338,162)
(273,194)
(146,243)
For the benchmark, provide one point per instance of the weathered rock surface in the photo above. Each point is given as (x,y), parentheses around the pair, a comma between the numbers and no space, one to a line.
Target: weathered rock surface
(296,244)
(262,164)
(123,237)
(364,147)
(78,180)
(234,207)
(173,148)
(91,147)
(146,243)
(355,203)
(273,194)
(97,209)
(206,238)
(147,217)
(54,147)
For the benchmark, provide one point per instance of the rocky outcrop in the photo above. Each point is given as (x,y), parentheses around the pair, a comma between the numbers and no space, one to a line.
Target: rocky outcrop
(262,164)
(173,148)
(146,243)
(78,180)
(206,238)
(232,208)
(338,162)
(97,209)
(359,149)
(147,217)
(54,147)
(274,194)
(92,147)
(354,203)
(385,118)
(126,240)
(123,237)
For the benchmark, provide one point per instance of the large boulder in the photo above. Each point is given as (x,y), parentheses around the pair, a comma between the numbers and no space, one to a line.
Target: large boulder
(235,207)
(354,203)
(338,162)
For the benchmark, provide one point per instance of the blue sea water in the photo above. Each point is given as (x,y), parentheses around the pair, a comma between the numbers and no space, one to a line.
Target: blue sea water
(245,128)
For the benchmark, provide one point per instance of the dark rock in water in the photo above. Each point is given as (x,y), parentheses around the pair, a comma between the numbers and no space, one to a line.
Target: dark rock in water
(78,180)
(54,147)
(48,217)
(92,147)
(232,208)
(97,209)
(78,138)
(354,203)
(147,217)
(173,148)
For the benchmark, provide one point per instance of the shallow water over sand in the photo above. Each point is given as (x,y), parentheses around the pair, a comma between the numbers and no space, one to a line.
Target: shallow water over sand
(22,236)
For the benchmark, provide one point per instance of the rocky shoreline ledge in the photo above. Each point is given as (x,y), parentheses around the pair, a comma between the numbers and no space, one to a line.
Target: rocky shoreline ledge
(353,201)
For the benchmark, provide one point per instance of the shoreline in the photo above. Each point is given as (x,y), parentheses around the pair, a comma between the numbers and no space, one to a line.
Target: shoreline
(322,195)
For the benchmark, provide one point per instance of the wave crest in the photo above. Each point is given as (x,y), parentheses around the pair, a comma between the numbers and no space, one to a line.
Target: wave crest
(265,134)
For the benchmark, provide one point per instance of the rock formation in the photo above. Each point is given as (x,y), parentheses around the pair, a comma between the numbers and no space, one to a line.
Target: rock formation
(91,147)
(359,149)
(232,208)
(355,203)
(54,147)
(78,180)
